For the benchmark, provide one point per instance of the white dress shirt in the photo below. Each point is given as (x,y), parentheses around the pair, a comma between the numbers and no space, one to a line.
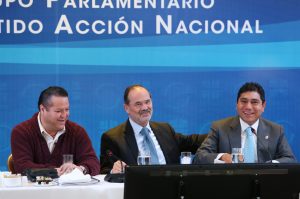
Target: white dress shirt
(49,139)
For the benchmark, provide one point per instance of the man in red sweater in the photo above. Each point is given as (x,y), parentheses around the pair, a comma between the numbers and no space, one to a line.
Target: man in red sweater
(41,141)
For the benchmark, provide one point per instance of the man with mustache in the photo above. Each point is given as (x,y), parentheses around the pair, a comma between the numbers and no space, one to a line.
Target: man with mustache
(120,145)
(267,138)
(41,141)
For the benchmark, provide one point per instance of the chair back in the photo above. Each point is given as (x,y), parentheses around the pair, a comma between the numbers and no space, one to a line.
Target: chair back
(10,164)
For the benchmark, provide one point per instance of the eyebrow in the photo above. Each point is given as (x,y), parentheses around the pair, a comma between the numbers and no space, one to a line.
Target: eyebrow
(242,98)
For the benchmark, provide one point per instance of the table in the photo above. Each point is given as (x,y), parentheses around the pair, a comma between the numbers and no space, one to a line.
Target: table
(101,190)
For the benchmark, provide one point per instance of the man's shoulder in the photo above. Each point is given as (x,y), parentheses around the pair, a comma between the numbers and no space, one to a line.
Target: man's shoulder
(159,124)
(74,127)
(27,125)
(269,123)
(121,128)
(226,121)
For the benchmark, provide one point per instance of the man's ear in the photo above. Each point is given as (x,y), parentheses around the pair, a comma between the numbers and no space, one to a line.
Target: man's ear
(42,108)
(264,105)
(126,108)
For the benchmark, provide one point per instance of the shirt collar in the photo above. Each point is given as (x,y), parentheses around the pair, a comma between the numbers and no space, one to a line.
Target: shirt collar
(244,125)
(136,127)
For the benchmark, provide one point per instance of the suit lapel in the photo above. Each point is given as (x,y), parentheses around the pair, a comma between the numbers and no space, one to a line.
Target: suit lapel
(262,141)
(161,139)
(130,139)
(157,134)
(235,134)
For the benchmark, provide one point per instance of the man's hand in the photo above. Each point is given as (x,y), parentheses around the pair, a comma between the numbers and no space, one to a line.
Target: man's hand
(226,157)
(118,167)
(66,168)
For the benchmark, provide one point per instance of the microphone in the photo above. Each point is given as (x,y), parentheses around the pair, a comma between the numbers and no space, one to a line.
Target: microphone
(114,177)
(113,158)
(264,146)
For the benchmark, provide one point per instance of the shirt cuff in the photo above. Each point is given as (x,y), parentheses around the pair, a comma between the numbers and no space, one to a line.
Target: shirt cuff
(217,160)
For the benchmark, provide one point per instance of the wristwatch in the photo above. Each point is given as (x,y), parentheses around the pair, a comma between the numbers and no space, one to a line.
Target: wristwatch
(83,169)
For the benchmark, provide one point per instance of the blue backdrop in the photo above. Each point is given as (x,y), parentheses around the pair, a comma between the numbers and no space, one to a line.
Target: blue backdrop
(193,78)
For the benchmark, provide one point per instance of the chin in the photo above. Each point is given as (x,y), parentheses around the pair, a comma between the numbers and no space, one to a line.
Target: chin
(60,127)
(144,121)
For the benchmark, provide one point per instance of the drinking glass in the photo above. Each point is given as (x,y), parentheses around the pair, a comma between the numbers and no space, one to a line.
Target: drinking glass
(144,159)
(2,174)
(237,155)
(67,158)
(186,158)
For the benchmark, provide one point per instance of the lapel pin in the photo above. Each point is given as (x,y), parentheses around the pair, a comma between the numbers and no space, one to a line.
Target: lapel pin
(266,137)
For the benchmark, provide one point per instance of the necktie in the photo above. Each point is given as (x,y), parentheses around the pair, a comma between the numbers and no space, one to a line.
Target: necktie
(249,156)
(149,146)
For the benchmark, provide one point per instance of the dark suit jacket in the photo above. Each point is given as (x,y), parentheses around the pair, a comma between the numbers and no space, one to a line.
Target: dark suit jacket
(122,144)
(226,134)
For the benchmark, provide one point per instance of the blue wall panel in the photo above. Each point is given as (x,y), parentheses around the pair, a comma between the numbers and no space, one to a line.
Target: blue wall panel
(193,78)
(190,101)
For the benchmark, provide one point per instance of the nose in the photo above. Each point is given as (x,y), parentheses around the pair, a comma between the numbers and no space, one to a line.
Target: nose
(248,105)
(144,106)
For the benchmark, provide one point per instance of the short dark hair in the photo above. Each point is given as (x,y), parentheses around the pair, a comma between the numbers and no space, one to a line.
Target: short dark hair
(48,93)
(252,86)
(129,88)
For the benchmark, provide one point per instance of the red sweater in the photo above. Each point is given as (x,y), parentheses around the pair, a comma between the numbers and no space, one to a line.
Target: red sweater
(30,150)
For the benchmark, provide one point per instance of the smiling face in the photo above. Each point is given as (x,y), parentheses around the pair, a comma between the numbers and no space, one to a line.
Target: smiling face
(139,106)
(250,106)
(55,115)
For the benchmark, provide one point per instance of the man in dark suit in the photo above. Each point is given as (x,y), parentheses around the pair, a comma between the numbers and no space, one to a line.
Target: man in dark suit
(269,141)
(121,145)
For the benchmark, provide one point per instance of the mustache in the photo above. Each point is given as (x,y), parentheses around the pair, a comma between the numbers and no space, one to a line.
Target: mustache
(145,111)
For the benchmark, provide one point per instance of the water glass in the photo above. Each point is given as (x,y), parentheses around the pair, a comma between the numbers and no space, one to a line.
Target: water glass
(237,155)
(2,174)
(24,181)
(67,158)
(186,158)
(144,159)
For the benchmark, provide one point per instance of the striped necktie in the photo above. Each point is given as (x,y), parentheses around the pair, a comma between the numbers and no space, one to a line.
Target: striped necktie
(249,155)
(149,146)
